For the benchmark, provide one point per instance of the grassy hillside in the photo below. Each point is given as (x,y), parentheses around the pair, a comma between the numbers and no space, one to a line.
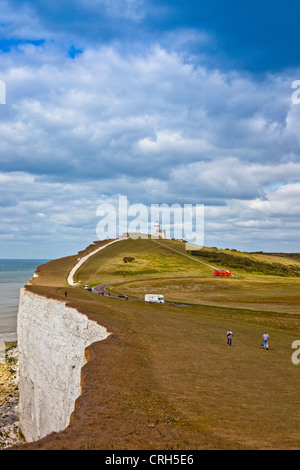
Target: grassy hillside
(263,294)
(150,260)
(165,378)
(55,273)
(249,288)
(275,265)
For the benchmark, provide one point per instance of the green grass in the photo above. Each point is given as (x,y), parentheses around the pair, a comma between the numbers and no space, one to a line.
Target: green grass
(261,264)
(150,260)
(196,283)
(55,273)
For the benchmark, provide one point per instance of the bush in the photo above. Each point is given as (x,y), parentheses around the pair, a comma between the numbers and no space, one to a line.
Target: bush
(247,264)
(128,259)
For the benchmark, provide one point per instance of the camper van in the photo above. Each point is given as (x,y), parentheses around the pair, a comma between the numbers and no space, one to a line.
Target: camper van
(155,298)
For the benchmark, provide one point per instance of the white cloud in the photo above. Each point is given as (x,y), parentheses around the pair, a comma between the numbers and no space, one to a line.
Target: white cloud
(151,127)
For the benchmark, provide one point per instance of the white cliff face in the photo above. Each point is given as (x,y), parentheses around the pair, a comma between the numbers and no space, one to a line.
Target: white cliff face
(51,340)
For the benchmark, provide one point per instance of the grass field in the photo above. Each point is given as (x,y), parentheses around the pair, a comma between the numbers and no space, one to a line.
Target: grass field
(166,378)
(150,259)
(264,294)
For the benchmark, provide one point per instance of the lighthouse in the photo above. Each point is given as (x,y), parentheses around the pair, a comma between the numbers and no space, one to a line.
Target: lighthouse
(158,232)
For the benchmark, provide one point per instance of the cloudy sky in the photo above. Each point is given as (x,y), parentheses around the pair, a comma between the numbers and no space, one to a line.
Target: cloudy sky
(161,101)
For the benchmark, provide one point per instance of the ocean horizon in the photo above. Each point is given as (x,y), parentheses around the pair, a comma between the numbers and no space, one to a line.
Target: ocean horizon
(14,274)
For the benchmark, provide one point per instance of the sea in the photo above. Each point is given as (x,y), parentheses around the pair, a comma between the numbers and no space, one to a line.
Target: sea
(14,274)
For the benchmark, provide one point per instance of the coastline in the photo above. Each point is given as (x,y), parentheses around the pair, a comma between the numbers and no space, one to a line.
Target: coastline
(129,400)
(14,274)
(9,398)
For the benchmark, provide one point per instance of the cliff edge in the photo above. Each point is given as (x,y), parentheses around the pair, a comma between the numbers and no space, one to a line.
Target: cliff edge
(52,338)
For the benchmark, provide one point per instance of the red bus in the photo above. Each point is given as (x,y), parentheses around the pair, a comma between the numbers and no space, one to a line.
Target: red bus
(222,273)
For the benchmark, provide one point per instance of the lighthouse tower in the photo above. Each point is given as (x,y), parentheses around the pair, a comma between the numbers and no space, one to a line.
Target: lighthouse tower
(157,229)
(158,232)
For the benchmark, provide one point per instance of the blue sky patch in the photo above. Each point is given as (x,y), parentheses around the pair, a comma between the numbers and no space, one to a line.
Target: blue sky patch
(73,52)
(6,45)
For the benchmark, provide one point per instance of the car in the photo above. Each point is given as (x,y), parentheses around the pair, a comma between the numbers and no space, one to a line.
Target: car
(100,292)
(88,288)
(122,296)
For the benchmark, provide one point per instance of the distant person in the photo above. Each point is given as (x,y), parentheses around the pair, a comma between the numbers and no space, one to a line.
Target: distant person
(66,294)
(266,338)
(229,336)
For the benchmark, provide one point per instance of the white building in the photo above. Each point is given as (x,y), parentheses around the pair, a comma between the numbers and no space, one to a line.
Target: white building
(158,232)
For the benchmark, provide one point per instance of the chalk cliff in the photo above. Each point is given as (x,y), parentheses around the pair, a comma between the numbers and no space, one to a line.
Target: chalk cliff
(52,338)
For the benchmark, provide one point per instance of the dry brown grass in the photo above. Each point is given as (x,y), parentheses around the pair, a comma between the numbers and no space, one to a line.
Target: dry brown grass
(55,273)
(166,379)
(257,293)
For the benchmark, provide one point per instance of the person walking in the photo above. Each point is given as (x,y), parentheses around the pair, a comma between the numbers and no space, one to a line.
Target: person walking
(229,336)
(266,338)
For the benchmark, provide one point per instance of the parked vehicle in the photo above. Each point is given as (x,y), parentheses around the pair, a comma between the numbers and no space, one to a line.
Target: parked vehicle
(88,288)
(222,273)
(122,296)
(155,298)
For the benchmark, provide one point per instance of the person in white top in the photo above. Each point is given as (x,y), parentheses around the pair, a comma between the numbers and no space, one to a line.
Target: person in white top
(266,338)
(229,336)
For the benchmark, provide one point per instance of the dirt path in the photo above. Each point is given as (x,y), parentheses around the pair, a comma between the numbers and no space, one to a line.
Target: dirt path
(101,288)
(70,279)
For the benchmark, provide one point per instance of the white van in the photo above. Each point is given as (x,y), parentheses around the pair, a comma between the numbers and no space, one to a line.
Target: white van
(155,298)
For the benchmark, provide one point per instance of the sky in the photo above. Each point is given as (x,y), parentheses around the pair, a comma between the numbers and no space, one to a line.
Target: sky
(161,102)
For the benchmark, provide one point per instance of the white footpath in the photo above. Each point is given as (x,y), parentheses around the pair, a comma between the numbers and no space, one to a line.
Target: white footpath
(70,279)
